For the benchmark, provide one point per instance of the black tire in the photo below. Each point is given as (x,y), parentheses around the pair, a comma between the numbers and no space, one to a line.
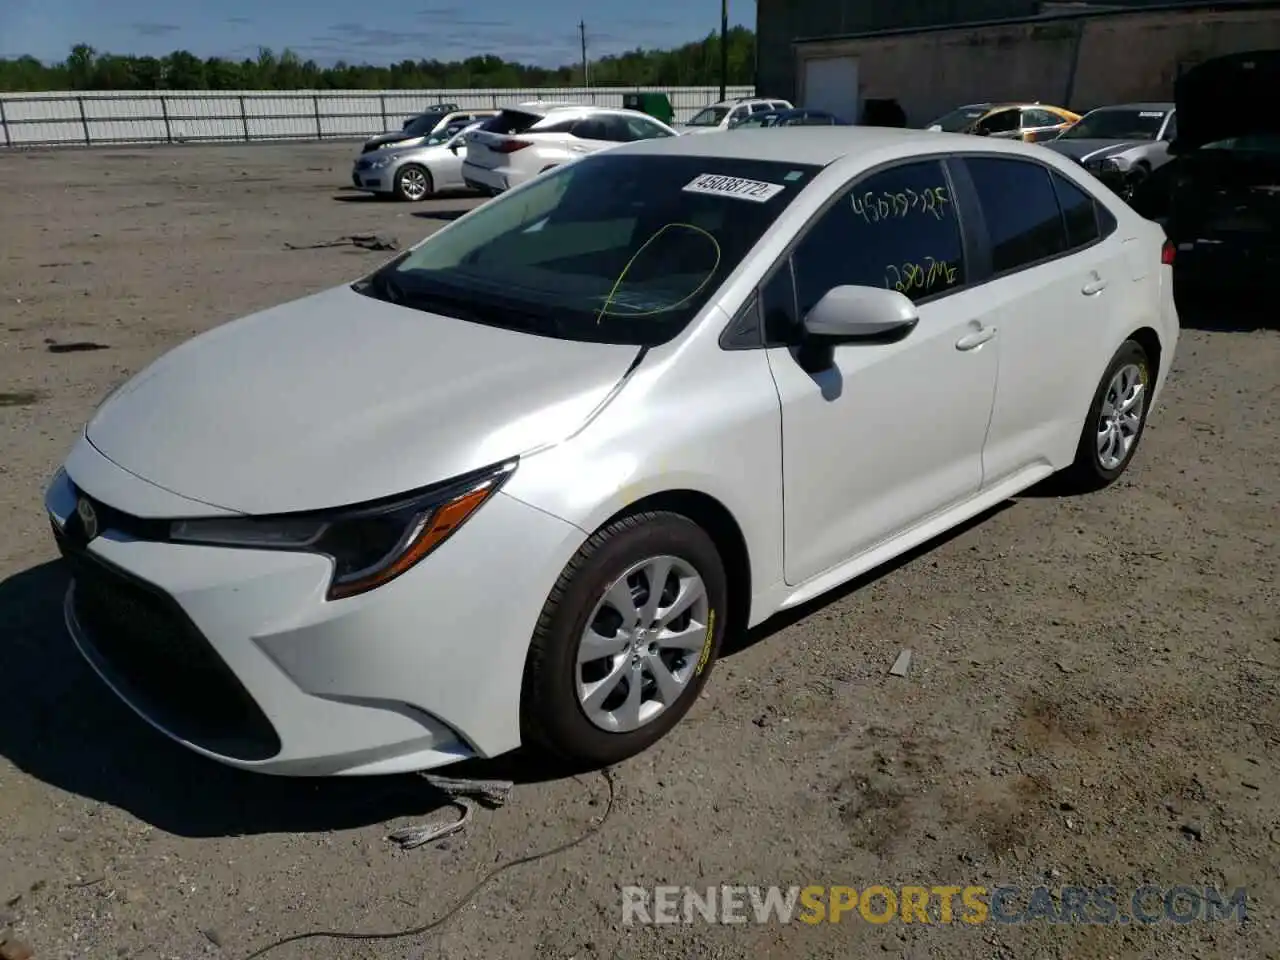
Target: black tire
(1134,181)
(552,719)
(1088,473)
(413,170)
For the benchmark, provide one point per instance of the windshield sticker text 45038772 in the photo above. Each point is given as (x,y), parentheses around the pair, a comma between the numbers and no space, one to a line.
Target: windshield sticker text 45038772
(722,186)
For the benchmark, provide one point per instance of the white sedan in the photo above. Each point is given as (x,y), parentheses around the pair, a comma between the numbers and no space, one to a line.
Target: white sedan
(517,485)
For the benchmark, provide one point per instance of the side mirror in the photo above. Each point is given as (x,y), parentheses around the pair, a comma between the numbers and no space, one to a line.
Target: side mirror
(455,147)
(850,314)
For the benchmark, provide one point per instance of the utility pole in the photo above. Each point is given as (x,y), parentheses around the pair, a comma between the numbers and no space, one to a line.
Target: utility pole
(724,47)
(582,35)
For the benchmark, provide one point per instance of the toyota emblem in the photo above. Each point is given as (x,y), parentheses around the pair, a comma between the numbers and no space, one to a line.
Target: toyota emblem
(88,518)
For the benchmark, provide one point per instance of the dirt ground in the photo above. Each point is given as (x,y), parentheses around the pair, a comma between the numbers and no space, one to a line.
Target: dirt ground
(1092,700)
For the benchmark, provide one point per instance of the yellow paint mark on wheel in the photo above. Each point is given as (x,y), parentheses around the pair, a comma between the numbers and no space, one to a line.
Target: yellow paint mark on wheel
(706,644)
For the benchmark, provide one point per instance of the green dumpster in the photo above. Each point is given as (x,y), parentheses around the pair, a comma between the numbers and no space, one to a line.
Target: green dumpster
(657,105)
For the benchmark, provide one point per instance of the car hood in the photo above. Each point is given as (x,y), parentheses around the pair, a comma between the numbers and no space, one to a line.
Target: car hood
(1090,149)
(399,151)
(1226,97)
(338,398)
(397,138)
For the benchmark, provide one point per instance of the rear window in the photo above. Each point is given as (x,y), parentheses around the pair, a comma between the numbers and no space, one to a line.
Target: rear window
(613,248)
(511,122)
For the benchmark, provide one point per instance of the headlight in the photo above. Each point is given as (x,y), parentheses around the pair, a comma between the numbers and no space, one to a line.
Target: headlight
(370,544)
(379,162)
(1116,163)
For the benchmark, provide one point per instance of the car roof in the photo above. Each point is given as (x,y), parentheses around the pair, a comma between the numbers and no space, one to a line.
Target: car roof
(821,146)
(1166,107)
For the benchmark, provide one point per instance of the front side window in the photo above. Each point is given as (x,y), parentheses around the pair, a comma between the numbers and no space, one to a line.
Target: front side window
(896,229)
(1171,128)
(1034,119)
(638,128)
(1021,211)
(1004,121)
(611,248)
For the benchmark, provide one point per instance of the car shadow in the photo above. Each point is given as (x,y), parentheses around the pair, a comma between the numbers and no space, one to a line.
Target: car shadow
(787,618)
(354,197)
(442,214)
(64,727)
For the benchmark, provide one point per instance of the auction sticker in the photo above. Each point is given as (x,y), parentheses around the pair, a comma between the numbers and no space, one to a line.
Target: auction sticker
(721,186)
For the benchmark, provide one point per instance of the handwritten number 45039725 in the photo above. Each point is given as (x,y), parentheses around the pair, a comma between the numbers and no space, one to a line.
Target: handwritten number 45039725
(874,207)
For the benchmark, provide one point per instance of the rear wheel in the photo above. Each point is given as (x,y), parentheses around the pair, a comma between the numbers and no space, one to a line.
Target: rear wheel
(1116,421)
(626,640)
(413,183)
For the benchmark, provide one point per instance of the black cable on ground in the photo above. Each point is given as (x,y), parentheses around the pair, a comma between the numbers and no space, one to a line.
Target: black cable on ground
(462,902)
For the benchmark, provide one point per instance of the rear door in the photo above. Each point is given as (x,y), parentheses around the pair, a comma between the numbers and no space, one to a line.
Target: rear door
(1057,272)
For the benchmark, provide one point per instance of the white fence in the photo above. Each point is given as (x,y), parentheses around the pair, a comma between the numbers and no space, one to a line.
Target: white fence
(98,118)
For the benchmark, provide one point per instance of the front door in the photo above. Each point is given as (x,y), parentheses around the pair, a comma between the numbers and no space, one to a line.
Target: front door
(891,433)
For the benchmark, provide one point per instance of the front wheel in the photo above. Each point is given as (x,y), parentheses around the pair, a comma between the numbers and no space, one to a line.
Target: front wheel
(626,640)
(413,183)
(1116,420)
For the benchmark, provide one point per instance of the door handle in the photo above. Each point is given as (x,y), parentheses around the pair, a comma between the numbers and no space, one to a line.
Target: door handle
(1093,288)
(976,339)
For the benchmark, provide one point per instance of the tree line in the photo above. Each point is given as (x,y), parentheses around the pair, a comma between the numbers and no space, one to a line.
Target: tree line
(694,64)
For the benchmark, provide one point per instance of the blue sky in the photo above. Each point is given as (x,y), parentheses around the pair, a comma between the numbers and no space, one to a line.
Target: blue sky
(543,32)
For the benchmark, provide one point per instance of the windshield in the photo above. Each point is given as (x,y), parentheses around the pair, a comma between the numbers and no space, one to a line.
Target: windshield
(610,248)
(1114,124)
(957,120)
(709,117)
(424,124)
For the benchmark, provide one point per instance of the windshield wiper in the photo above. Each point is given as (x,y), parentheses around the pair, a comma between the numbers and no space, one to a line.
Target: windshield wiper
(477,311)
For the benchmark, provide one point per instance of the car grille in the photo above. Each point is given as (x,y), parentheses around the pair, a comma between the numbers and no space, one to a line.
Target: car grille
(161,662)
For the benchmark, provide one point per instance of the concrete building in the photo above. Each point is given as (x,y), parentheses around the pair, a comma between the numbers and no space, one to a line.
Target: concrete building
(934,55)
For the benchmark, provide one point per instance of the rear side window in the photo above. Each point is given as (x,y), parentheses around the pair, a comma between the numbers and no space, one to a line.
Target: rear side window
(1021,210)
(511,122)
(1079,213)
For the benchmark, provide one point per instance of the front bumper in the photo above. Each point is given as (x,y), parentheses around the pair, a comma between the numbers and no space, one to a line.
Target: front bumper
(374,181)
(236,654)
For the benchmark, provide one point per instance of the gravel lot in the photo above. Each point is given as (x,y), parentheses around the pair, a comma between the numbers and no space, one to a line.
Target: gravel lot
(1092,698)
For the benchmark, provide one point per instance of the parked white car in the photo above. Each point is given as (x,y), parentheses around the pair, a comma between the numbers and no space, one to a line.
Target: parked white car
(517,485)
(414,173)
(525,141)
(727,113)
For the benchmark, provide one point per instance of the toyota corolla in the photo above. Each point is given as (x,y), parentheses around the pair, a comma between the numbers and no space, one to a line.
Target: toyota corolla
(515,486)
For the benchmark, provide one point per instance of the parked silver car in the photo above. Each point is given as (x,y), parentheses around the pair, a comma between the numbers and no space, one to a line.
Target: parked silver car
(416,172)
(1122,144)
(417,130)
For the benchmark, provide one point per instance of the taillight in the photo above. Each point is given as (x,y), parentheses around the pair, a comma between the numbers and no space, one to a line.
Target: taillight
(511,146)
(1167,253)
